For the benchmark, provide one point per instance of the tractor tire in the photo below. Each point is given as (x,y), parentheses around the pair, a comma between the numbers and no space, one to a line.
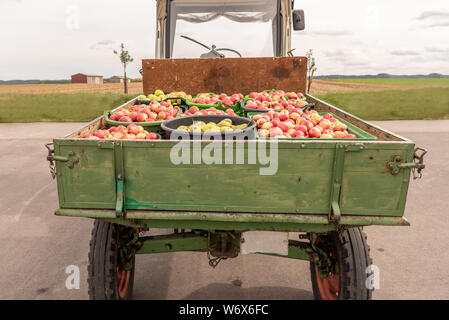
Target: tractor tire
(107,280)
(352,257)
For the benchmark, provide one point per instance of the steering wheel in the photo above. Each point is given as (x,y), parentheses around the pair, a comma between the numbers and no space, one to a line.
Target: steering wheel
(213,52)
(227,49)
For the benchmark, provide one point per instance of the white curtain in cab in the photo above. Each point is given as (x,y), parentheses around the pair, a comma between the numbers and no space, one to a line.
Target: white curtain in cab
(238,11)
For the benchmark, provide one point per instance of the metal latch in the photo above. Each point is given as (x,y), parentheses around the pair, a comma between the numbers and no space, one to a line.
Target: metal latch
(50,159)
(419,159)
(335,199)
(120,195)
(396,164)
(70,160)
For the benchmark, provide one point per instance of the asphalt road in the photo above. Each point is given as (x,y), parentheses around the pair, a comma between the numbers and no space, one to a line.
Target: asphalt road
(36,246)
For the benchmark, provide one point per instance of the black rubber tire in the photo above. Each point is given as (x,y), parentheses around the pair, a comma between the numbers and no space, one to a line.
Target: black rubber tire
(103,262)
(353,259)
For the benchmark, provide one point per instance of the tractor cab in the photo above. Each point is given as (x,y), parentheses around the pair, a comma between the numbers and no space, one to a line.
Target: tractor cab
(225,28)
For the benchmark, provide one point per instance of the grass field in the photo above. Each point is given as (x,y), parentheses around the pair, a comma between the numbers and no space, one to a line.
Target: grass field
(370,99)
(411,104)
(57,107)
(400,81)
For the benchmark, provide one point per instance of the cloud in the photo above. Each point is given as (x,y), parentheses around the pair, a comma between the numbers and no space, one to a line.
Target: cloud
(103,44)
(404,53)
(347,58)
(438,53)
(437,49)
(433,14)
(439,24)
(435,18)
(334,53)
(341,33)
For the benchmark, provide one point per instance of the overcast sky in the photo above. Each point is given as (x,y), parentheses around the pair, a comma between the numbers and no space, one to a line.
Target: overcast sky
(52,39)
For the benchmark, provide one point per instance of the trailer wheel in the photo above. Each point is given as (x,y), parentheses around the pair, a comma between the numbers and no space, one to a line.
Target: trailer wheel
(107,279)
(351,253)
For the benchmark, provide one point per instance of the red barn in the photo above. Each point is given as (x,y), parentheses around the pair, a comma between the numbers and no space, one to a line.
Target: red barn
(83,78)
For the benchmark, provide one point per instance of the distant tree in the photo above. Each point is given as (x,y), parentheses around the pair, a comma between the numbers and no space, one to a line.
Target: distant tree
(311,68)
(125,58)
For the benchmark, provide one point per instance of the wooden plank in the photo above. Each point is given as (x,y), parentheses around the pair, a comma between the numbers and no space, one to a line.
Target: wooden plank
(228,75)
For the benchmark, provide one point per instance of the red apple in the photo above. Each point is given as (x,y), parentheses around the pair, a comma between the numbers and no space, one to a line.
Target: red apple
(267,125)
(100,134)
(314,132)
(284,127)
(125,119)
(133,129)
(264,133)
(325,124)
(152,136)
(141,117)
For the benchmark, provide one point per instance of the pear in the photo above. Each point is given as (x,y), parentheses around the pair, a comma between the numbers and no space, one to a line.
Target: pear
(225,123)
(184,128)
(195,128)
(240,127)
(212,129)
(158,92)
(200,123)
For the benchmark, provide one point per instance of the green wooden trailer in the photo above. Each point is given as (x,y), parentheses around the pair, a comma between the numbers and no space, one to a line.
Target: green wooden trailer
(325,190)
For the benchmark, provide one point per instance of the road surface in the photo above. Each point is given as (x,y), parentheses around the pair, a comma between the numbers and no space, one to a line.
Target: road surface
(37,247)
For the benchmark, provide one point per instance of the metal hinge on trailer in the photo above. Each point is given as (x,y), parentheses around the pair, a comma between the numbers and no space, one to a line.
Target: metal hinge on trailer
(396,164)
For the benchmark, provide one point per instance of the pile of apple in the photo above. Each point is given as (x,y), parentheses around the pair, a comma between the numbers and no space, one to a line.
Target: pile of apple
(155,111)
(296,124)
(207,98)
(159,95)
(132,131)
(195,111)
(275,95)
(277,105)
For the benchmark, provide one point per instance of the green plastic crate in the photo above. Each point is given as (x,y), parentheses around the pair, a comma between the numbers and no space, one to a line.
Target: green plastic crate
(361,135)
(219,105)
(154,126)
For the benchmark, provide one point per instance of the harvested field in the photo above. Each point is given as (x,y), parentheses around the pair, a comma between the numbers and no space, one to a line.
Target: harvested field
(133,88)
(321,86)
(318,87)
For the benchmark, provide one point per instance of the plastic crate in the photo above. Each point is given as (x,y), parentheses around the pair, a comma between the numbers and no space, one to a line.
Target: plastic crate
(251,110)
(361,135)
(154,126)
(220,105)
